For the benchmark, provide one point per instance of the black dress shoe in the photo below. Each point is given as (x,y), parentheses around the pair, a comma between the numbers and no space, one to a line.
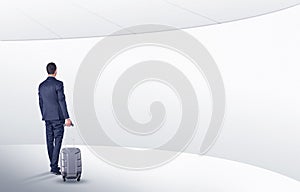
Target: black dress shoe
(56,172)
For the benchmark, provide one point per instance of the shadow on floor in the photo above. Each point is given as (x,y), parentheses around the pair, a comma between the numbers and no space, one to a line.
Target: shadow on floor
(38,177)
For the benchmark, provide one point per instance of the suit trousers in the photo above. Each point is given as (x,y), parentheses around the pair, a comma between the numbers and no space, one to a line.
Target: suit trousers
(54,137)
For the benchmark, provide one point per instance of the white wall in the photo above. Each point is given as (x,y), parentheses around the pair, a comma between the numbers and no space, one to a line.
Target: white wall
(258,59)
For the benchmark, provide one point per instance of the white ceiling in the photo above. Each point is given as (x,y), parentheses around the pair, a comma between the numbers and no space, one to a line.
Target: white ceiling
(56,19)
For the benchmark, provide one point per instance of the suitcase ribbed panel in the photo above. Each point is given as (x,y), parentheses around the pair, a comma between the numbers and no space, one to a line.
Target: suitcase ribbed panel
(71,162)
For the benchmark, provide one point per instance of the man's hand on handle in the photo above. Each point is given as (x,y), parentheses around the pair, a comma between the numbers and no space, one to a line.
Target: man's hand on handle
(68,122)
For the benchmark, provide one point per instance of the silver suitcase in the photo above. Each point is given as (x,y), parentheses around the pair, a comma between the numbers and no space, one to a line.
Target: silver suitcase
(70,162)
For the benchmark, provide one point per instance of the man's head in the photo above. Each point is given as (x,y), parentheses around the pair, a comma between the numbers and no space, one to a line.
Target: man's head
(51,69)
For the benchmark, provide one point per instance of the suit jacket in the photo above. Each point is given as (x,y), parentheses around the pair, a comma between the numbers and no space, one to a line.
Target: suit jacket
(52,100)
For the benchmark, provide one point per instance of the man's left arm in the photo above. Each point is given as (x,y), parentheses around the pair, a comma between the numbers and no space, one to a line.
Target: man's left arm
(40,101)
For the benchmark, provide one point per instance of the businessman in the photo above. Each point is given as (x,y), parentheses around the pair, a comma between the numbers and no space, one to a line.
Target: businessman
(55,114)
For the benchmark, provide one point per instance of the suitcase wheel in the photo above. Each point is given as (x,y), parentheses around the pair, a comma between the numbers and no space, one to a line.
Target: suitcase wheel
(78,178)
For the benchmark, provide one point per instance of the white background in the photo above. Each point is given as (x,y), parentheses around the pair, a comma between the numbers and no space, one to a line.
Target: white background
(258,59)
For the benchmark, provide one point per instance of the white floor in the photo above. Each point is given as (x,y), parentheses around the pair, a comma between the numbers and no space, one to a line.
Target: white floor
(25,168)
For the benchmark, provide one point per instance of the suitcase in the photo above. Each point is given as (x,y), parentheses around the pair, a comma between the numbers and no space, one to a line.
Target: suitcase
(70,162)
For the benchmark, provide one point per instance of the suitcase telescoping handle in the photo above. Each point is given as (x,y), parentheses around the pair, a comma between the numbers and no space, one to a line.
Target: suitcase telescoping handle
(71,125)
(72,135)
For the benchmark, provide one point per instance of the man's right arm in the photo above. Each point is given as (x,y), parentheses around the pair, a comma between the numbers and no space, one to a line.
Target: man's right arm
(62,100)
(63,104)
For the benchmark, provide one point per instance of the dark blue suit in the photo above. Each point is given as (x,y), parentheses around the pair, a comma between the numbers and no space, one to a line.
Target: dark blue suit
(54,112)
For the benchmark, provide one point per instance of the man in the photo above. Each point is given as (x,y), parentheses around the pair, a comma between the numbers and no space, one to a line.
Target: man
(55,114)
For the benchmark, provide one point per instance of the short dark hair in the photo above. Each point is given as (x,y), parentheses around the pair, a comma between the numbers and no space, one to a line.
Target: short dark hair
(51,68)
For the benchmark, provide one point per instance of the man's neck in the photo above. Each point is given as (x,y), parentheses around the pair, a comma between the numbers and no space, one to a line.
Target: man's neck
(51,75)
